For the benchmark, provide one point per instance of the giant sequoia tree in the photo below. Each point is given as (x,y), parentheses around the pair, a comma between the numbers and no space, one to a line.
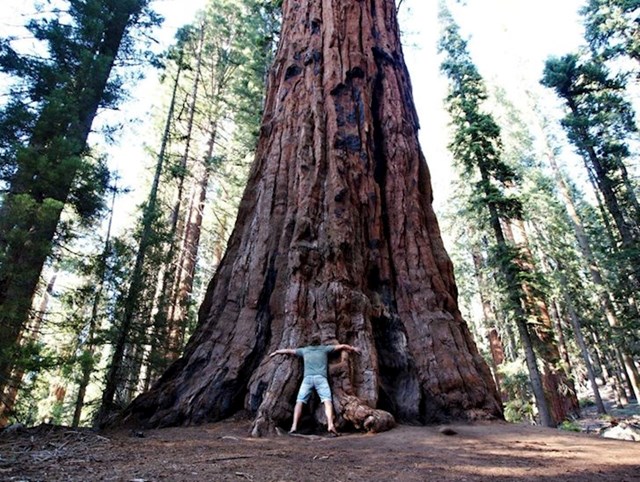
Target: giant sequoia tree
(336,239)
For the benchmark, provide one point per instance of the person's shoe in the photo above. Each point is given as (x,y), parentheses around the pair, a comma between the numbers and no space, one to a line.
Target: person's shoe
(333,432)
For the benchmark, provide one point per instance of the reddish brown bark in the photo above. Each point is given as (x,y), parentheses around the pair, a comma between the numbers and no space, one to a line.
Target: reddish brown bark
(186,265)
(335,238)
(558,386)
(495,342)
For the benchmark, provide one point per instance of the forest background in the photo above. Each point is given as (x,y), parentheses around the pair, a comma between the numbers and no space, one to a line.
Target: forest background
(74,337)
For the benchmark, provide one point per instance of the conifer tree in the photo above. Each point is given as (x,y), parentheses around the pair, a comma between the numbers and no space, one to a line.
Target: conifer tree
(599,122)
(335,238)
(54,108)
(239,51)
(148,238)
(218,67)
(478,150)
(612,28)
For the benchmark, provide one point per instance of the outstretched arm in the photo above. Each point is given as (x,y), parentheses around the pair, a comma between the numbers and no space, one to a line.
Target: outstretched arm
(283,351)
(349,348)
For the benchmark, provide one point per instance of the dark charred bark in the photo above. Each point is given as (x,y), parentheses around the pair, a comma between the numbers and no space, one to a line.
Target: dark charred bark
(335,238)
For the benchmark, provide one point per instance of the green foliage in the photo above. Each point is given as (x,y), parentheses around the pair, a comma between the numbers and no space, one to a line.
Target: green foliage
(71,181)
(259,31)
(477,144)
(54,100)
(477,147)
(600,123)
(611,28)
(517,410)
(570,426)
(586,402)
(515,384)
(215,74)
(513,205)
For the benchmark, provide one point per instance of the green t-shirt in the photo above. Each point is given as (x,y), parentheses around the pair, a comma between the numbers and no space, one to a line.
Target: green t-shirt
(315,359)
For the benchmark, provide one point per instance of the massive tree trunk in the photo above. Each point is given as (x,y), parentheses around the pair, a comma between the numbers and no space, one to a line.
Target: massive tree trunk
(335,238)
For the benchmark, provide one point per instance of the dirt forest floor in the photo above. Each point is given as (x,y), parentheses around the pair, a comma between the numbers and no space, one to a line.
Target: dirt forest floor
(494,451)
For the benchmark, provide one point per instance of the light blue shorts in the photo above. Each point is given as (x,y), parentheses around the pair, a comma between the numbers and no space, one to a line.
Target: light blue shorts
(310,382)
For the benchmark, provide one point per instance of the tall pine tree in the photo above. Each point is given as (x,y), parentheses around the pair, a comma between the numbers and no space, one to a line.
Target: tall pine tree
(478,150)
(59,95)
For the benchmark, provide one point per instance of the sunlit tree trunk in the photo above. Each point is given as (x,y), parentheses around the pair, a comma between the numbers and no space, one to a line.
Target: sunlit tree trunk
(489,318)
(186,265)
(584,351)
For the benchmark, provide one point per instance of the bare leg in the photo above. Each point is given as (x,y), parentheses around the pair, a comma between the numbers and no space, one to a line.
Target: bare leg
(297,412)
(328,410)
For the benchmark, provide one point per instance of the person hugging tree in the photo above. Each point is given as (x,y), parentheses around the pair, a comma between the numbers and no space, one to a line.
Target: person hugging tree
(315,359)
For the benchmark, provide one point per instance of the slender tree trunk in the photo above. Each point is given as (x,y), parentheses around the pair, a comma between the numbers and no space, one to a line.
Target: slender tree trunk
(495,344)
(497,357)
(335,237)
(220,75)
(88,363)
(23,257)
(177,222)
(556,316)
(187,262)
(621,377)
(631,193)
(559,388)
(609,363)
(626,226)
(604,183)
(517,298)
(596,276)
(624,373)
(577,333)
(8,399)
(135,289)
